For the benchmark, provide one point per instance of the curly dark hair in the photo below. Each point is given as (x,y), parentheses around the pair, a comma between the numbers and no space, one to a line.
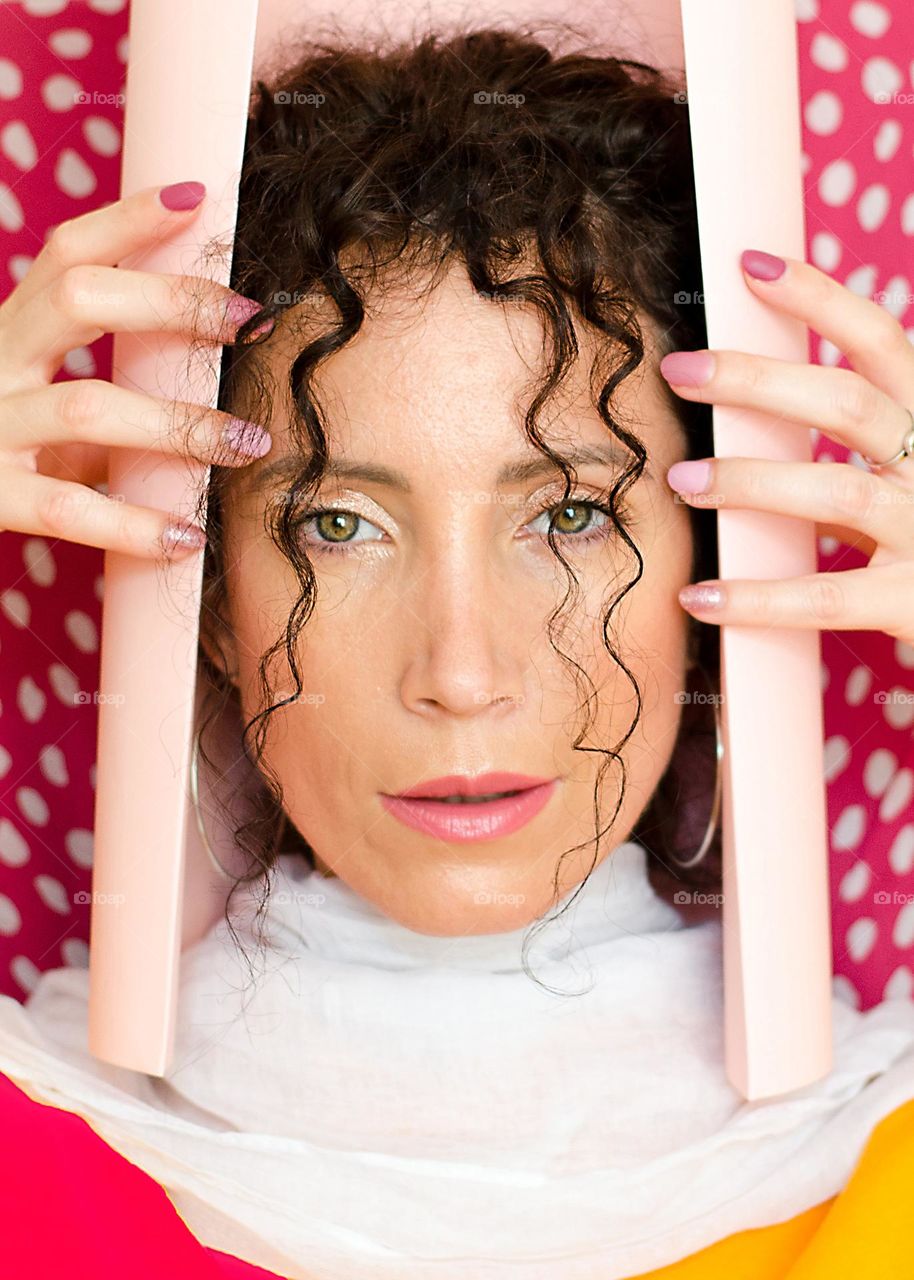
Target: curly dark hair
(486,147)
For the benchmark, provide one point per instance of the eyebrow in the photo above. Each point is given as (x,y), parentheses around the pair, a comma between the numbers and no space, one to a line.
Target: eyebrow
(514,472)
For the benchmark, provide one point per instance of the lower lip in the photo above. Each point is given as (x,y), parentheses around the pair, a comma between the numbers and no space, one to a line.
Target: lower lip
(464,822)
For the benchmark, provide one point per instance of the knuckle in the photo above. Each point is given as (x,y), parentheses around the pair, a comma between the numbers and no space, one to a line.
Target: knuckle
(850,491)
(883,336)
(55,509)
(859,401)
(824,599)
(63,242)
(80,404)
(70,287)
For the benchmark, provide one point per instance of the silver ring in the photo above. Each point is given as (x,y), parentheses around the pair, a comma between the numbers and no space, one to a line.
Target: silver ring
(906,450)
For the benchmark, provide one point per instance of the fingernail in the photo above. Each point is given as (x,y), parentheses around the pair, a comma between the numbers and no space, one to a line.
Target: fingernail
(693,476)
(182,195)
(702,595)
(762,266)
(688,368)
(247,438)
(177,536)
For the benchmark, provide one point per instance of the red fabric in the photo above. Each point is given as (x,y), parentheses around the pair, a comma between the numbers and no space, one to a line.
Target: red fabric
(72,1208)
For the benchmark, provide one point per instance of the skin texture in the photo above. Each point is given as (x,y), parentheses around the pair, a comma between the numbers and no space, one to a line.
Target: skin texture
(427,648)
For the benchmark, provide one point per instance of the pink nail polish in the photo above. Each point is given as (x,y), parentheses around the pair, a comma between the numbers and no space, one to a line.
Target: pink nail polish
(762,266)
(182,195)
(179,537)
(688,368)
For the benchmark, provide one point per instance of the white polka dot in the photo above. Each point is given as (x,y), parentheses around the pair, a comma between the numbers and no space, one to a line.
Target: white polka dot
(896,296)
(837,182)
(53,894)
(107,6)
(99,587)
(25,973)
(855,883)
(10,79)
(823,112)
(32,806)
(80,363)
(827,52)
(53,764)
(11,216)
(14,850)
(10,919)
(898,707)
(72,42)
(81,630)
(64,683)
(848,830)
(886,140)
(72,175)
(824,677)
(904,654)
(870,19)
(828,545)
(907,215)
(18,145)
(5,761)
(102,135)
(40,566)
(61,92)
(18,265)
(878,771)
(75,953)
(861,938)
(30,700)
(44,8)
(900,985)
(862,280)
(897,796)
(901,854)
(903,932)
(123,48)
(858,686)
(16,607)
(844,989)
(806,10)
(825,251)
(93,774)
(873,205)
(836,756)
(880,80)
(78,843)
(828,352)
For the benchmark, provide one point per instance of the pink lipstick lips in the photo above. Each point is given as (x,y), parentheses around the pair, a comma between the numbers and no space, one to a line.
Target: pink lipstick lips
(462,808)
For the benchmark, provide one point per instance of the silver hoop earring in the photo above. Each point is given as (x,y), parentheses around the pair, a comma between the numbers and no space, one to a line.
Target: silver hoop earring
(195,802)
(715,804)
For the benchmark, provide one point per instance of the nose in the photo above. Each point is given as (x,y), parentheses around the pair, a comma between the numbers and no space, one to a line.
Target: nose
(466,650)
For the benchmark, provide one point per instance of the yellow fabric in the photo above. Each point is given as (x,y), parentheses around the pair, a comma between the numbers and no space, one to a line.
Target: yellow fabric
(866,1232)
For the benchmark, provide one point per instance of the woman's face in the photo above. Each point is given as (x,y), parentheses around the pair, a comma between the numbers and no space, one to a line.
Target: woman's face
(427,652)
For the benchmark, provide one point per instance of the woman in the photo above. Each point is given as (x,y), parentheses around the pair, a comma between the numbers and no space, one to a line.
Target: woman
(457,492)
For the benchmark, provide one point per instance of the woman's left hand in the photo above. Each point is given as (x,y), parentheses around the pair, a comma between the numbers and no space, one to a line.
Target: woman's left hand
(865,408)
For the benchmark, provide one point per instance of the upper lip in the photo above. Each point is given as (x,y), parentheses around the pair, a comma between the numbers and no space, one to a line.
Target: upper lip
(461,784)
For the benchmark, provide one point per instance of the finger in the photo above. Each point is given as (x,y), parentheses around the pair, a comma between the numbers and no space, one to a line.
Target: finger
(57,509)
(874,342)
(96,412)
(84,302)
(109,234)
(849,409)
(836,492)
(855,600)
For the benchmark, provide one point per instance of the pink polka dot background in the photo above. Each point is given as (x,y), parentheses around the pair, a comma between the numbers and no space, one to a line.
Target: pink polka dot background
(62,68)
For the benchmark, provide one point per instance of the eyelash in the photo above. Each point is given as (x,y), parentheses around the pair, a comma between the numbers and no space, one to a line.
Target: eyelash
(597,534)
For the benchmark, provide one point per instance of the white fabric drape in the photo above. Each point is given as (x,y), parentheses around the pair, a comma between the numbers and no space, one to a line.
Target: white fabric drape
(378,1104)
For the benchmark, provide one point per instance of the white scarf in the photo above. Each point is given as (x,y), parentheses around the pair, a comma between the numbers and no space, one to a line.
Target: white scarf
(378,1104)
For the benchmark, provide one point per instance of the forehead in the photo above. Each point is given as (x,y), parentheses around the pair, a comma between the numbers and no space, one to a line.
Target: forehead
(439,373)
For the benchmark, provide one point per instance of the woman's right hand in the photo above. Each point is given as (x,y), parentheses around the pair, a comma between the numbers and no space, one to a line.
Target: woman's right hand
(55,437)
